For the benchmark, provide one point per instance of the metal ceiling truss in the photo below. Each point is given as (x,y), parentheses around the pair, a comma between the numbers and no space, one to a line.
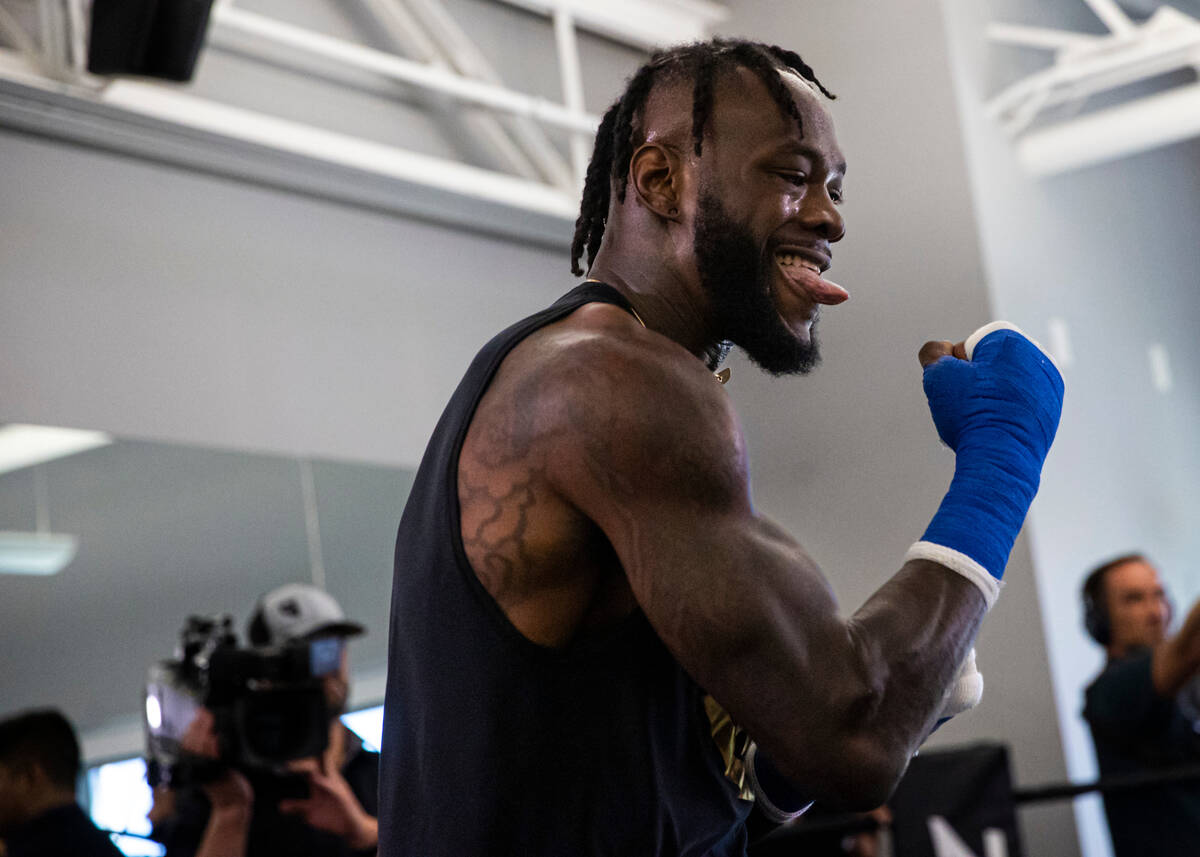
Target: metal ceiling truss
(524,169)
(1087,64)
(423,30)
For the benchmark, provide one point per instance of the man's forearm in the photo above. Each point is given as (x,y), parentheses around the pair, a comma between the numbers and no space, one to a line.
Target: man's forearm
(884,676)
(366,833)
(226,831)
(1178,659)
(913,635)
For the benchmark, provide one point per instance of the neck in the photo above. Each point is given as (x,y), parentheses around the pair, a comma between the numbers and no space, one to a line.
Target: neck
(668,302)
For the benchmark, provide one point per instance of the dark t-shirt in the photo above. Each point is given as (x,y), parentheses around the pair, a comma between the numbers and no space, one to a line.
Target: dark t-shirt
(61,832)
(1137,731)
(496,746)
(272,832)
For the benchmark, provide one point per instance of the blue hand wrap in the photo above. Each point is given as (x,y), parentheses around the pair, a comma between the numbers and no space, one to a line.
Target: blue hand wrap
(998,410)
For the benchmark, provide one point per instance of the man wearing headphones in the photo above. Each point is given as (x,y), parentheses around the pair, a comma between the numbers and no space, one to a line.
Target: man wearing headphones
(1144,708)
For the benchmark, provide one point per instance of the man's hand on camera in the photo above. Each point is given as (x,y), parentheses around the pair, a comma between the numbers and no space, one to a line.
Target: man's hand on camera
(200,739)
(332,806)
(231,794)
(228,826)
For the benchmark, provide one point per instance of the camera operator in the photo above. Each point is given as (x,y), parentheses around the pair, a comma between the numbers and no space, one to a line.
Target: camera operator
(247,812)
(1142,708)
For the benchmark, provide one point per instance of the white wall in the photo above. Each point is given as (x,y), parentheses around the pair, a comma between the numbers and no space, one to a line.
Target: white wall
(1113,251)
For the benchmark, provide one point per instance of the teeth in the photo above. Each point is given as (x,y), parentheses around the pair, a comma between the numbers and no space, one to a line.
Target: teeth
(789,259)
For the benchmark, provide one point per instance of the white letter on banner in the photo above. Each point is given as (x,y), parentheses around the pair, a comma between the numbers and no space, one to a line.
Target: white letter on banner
(946,843)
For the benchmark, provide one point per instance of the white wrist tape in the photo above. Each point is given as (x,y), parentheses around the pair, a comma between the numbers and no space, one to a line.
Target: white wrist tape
(961,563)
(974,338)
(762,799)
(991,327)
(966,691)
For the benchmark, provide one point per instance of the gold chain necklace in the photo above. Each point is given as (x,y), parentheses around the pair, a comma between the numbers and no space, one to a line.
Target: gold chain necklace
(722,376)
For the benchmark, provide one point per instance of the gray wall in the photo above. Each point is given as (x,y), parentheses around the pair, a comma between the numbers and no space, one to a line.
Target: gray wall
(1113,251)
(173,306)
(159,304)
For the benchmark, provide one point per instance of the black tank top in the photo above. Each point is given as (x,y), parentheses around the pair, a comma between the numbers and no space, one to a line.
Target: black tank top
(494,745)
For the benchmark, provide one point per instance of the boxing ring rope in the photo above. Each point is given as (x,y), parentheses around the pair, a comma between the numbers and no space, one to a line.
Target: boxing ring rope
(797,834)
(850,825)
(1107,785)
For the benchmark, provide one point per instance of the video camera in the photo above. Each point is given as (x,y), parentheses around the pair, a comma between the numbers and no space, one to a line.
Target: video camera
(268,704)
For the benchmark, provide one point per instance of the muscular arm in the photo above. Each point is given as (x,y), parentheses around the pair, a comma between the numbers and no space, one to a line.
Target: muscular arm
(645,444)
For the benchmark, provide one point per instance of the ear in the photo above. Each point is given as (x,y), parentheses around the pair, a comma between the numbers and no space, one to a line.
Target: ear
(656,176)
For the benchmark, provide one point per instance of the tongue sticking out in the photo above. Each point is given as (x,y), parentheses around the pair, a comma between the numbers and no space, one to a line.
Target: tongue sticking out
(804,276)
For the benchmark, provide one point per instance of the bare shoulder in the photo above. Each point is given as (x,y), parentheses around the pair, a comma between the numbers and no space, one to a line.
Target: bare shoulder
(631,410)
(588,424)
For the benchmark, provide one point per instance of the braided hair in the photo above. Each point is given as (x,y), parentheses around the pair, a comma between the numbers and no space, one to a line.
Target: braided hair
(701,62)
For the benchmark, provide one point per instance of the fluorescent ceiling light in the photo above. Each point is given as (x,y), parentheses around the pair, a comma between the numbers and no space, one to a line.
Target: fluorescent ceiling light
(36,553)
(25,445)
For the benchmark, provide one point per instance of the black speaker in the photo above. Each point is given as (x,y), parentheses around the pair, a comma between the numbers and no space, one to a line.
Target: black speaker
(152,38)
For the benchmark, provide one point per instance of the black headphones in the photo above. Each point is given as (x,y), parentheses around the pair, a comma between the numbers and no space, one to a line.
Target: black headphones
(1095,610)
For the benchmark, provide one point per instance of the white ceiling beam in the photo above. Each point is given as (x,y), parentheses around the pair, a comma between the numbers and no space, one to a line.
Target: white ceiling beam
(24,445)
(482,132)
(1168,41)
(281,155)
(166,103)
(468,60)
(1113,16)
(1038,37)
(1094,138)
(407,71)
(646,24)
(545,204)
(1085,65)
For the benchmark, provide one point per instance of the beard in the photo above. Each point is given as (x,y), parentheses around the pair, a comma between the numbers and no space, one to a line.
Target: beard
(737,280)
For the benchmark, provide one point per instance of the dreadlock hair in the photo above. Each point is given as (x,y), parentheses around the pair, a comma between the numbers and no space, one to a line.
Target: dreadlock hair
(701,62)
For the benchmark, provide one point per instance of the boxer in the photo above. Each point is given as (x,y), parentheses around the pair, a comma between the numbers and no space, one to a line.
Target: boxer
(598,645)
